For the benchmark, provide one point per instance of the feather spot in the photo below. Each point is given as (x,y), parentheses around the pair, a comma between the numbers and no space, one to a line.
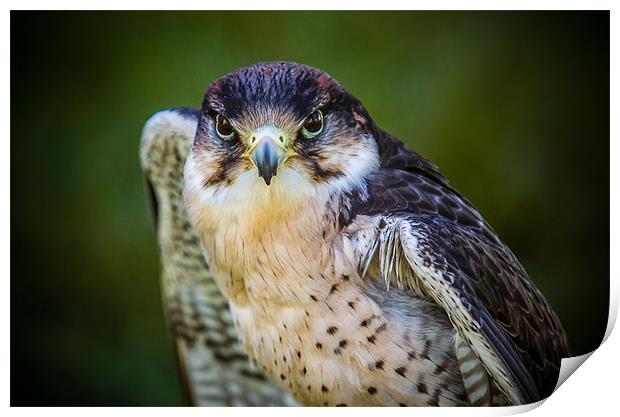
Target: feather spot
(422,388)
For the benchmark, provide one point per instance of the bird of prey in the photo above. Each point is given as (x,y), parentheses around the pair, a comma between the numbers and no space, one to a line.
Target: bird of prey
(355,274)
(214,369)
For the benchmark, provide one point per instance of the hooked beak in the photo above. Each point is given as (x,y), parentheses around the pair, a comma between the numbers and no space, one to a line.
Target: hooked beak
(267,155)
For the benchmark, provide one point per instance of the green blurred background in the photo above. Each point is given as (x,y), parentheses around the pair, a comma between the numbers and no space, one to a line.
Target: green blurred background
(513,107)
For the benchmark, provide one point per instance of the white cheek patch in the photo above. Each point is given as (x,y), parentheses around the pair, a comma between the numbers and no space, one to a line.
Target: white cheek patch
(192,188)
(357,161)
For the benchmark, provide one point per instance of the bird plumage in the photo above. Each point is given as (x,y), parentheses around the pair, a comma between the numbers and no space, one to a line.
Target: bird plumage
(214,369)
(484,274)
(358,275)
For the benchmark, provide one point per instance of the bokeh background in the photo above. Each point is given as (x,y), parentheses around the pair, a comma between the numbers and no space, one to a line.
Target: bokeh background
(513,107)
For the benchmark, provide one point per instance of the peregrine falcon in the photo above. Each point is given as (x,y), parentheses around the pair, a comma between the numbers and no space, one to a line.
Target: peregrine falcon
(355,274)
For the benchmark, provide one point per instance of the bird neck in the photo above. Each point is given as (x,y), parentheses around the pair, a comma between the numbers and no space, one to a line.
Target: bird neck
(272,247)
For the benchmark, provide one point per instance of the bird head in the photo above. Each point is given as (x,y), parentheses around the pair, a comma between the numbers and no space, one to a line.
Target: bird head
(280,129)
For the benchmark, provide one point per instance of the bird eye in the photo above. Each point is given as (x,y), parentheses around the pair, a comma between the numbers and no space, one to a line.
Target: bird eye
(223,127)
(313,124)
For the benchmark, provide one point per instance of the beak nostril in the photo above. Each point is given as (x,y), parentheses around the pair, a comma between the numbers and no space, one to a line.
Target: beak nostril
(281,139)
(252,140)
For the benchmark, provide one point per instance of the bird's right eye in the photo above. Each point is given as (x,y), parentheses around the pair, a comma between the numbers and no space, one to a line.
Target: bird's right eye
(223,127)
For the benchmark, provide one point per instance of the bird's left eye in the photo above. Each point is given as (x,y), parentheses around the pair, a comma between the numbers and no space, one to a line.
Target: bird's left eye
(223,127)
(313,125)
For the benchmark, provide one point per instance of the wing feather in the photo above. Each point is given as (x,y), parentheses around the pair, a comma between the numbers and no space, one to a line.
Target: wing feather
(475,377)
(432,241)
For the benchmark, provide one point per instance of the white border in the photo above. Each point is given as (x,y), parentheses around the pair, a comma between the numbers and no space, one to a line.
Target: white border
(314,5)
(592,390)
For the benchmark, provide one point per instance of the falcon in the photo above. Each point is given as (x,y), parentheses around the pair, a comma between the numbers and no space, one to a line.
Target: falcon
(354,273)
